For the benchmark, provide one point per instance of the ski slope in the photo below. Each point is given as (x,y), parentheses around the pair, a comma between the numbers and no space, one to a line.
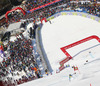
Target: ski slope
(63,31)
(89,74)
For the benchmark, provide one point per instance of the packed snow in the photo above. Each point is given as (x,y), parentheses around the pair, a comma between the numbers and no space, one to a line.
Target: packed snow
(63,31)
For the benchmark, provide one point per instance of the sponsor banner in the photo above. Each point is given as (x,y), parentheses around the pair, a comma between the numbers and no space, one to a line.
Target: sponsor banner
(88,16)
(70,14)
(73,13)
(58,14)
(64,13)
(48,19)
(52,17)
(93,18)
(83,15)
(80,14)
(96,19)
(55,16)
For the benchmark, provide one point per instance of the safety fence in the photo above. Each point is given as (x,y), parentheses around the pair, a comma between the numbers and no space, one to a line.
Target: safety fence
(74,13)
(40,48)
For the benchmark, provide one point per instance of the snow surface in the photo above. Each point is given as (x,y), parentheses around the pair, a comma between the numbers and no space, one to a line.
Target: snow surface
(63,31)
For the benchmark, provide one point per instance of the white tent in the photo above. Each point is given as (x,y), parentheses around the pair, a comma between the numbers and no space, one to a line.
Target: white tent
(14,26)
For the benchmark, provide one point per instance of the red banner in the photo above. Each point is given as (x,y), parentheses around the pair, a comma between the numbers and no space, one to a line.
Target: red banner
(44,5)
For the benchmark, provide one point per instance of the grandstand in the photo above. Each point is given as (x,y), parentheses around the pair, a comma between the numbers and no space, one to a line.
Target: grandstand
(22,58)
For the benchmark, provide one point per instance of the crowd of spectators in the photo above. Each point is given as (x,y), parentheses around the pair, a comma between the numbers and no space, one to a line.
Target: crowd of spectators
(30,4)
(47,11)
(64,5)
(15,16)
(52,9)
(21,65)
(21,58)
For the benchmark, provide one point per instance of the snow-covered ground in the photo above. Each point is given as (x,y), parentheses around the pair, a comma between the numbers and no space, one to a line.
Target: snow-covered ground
(89,74)
(63,31)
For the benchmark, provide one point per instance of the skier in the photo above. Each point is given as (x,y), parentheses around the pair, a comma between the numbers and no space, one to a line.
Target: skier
(46,72)
(70,76)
